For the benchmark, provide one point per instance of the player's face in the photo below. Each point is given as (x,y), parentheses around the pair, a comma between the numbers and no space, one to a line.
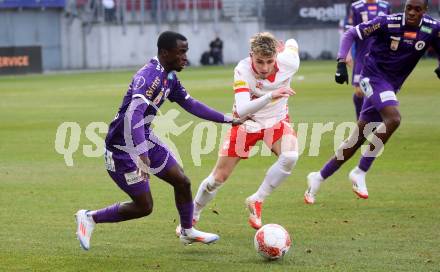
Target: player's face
(176,58)
(264,66)
(414,10)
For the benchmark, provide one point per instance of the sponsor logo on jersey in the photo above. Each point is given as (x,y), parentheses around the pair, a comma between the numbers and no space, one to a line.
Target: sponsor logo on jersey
(158,98)
(239,84)
(138,82)
(420,45)
(383,5)
(372,7)
(410,42)
(426,29)
(367,31)
(153,87)
(410,35)
(393,25)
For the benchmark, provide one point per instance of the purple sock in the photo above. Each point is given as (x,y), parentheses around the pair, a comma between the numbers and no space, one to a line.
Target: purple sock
(358,101)
(365,163)
(107,215)
(329,168)
(186,214)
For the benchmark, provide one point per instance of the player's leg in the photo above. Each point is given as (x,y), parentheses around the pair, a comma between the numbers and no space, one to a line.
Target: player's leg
(211,184)
(284,144)
(391,121)
(174,175)
(140,206)
(358,100)
(345,151)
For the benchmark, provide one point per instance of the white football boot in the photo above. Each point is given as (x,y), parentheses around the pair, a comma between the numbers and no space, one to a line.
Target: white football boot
(314,180)
(179,228)
(189,236)
(357,178)
(84,229)
(254,208)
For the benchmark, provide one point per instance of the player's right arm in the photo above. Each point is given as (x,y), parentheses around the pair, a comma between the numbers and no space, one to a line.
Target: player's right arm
(244,106)
(360,32)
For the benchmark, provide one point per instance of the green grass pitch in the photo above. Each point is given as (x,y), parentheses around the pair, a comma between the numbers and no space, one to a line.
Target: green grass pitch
(397,229)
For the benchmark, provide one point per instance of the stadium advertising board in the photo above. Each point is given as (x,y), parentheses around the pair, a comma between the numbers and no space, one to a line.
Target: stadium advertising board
(287,14)
(32,3)
(20,60)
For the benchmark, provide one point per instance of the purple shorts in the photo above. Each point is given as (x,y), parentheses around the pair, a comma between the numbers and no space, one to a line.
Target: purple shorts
(378,93)
(122,168)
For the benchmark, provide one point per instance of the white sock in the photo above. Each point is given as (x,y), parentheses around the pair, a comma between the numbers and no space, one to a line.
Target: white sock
(276,174)
(206,192)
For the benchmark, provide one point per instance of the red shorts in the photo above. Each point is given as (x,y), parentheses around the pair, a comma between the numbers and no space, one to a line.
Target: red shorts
(238,142)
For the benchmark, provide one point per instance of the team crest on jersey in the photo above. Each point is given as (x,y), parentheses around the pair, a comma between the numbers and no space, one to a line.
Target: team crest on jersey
(167,92)
(259,85)
(420,45)
(138,82)
(394,43)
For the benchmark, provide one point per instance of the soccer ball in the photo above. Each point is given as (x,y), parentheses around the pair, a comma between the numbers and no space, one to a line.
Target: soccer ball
(272,241)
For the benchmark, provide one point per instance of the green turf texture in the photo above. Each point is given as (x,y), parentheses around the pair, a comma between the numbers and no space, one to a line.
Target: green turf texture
(397,229)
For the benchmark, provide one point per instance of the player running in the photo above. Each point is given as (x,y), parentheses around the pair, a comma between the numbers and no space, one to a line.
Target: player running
(262,87)
(363,11)
(399,41)
(132,150)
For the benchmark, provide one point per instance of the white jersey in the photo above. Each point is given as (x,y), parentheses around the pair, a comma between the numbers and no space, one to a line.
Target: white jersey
(245,80)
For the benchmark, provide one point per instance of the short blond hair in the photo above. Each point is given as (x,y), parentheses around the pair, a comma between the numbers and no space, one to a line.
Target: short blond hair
(264,44)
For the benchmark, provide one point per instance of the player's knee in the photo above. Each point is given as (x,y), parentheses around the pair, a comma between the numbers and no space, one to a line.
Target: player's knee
(288,160)
(393,122)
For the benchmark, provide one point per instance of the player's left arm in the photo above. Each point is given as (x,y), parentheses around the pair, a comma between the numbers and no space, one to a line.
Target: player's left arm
(179,95)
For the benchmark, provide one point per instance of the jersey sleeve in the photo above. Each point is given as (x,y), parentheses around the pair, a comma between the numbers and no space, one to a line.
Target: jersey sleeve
(372,28)
(241,83)
(144,87)
(178,93)
(289,56)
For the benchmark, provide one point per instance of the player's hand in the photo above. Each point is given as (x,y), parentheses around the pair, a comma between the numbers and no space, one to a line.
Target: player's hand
(341,75)
(143,164)
(282,92)
(437,71)
(236,122)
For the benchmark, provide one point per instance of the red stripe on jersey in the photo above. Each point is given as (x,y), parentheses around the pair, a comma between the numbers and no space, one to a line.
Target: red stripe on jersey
(241,90)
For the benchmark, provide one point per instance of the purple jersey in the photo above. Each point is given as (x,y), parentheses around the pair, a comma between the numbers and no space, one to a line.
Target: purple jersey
(153,85)
(397,47)
(363,12)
